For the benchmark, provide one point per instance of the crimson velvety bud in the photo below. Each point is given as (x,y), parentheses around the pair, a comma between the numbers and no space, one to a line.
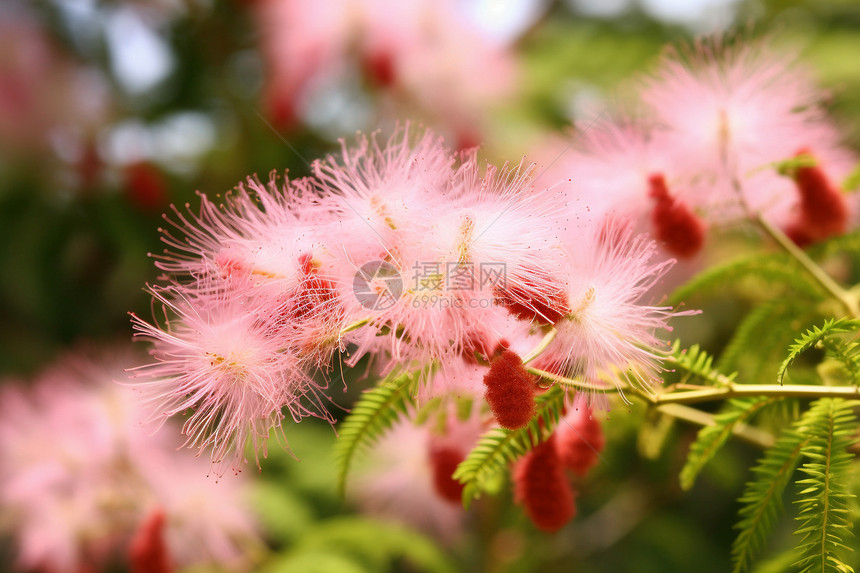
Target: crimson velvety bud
(823,211)
(679,230)
(544,304)
(145,187)
(147,552)
(443,461)
(542,488)
(580,441)
(510,391)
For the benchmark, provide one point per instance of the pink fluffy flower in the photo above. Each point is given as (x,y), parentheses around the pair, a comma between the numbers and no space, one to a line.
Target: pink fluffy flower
(612,173)
(455,237)
(609,327)
(258,236)
(738,109)
(380,190)
(80,472)
(234,364)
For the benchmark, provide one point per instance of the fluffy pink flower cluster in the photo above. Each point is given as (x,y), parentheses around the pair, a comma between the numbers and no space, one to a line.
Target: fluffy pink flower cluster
(711,129)
(402,250)
(81,477)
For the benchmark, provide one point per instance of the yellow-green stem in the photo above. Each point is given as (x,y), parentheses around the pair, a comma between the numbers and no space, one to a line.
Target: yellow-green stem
(729,390)
(847,300)
(750,434)
(538,350)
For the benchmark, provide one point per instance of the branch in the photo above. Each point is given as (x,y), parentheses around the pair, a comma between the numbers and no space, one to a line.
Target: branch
(729,390)
(814,270)
(749,434)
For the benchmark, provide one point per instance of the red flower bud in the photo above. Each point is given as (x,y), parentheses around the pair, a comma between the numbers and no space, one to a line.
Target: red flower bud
(537,303)
(542,488)
(823,211)
(679,230)
(443,461)
(510,391)
(147,552)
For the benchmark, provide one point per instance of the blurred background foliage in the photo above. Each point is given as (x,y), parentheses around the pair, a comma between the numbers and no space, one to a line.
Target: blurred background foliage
(167,102)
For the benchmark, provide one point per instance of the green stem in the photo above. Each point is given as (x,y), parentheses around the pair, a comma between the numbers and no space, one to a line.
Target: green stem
(733,390)
(538,350)
(749,434)
(570,382)
(831,286)
(728,390)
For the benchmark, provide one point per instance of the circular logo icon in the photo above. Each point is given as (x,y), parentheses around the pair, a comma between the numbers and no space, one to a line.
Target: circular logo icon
(377,285)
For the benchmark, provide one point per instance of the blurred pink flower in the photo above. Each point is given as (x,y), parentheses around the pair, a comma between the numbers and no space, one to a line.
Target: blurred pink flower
(425,54)
(45,97)
(80,471)
(580,438)
(406,477)
(738,109)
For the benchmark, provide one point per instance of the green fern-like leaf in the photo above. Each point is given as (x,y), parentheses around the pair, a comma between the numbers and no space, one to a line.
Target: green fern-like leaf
(499,447)
(375,412)
(824,504)
(769,351)
(696,362)
(812,337)
(847,354)
(350,543)
(762,497)
(822,433)
(711,438)
(773,269)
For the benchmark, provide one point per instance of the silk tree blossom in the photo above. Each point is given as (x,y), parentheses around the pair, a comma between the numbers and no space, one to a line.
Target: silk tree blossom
(609,327)
(263,245)
(737,110)
(379,190)
(505,228)
(80,472)
(459,240)
(629,169)
(234,364)
(406,251)
(258,235)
